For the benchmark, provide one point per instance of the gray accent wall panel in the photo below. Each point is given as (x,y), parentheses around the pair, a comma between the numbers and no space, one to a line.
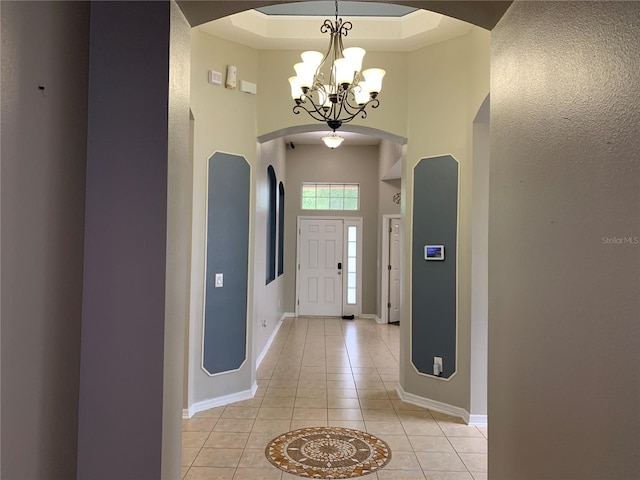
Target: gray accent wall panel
(123,308)
(225,312)
(434,283)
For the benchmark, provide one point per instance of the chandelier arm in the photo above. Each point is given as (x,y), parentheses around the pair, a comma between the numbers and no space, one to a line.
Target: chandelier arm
(353,109)
(317,112)
(361,113)
(319,109)
(374,103)
(339,107)
(312,113)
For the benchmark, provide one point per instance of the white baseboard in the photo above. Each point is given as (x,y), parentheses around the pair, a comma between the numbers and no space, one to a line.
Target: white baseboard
(372,316)
(270,341)
(478,420)
(219,401)
(433,405)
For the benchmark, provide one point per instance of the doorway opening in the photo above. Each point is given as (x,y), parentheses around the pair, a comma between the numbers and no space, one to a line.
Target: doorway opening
(329,266)
(391,298)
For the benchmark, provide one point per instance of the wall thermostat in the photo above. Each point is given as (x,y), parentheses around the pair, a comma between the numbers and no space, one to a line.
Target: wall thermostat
(434,252)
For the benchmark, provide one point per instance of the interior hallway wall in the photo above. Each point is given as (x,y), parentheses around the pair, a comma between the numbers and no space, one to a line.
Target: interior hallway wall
(453,78)
(268,299)
(44,135)
(480,264)
(347,164)
(224,121)
(389,154)
(564,294)
(179,204)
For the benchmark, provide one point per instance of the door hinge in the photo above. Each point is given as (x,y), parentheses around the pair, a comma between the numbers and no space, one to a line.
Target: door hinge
(388,305)
(298,302)
(390,229)
(389,267)
(298,266)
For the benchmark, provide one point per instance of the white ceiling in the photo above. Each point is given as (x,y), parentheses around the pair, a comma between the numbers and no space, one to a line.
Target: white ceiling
(296,26)
(384,34)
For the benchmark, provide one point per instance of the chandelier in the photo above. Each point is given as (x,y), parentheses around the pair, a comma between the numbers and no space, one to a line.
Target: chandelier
(338,92)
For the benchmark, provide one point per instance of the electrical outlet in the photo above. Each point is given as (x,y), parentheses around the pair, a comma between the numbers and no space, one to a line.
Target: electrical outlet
(264,324)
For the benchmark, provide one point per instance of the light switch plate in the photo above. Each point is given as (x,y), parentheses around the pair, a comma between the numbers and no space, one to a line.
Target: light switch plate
(219,280)
(437,363)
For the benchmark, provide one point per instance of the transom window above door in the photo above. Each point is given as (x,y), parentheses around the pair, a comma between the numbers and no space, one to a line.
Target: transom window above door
(330,196)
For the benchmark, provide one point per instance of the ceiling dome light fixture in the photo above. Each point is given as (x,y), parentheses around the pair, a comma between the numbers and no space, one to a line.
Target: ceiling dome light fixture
(345,91)
(333,140)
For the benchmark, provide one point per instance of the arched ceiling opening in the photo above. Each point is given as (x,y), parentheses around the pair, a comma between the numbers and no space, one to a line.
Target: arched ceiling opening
(484,14)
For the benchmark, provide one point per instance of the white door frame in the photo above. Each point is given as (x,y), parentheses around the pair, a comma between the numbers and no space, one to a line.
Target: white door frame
(346,222)
(384,280)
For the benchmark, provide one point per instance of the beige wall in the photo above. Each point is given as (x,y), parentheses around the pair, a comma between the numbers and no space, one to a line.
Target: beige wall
(179,205)
(268,303)
(224,121)
(388,154)
(450,78)
(350,164)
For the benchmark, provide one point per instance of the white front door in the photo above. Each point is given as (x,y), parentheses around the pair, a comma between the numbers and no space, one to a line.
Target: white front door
(394,270)
(319,278)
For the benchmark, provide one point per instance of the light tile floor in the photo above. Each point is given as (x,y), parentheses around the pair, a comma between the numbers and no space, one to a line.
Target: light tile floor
(331,372)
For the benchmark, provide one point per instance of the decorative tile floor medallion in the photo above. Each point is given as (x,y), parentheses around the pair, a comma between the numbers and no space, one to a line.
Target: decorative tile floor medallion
(328,452)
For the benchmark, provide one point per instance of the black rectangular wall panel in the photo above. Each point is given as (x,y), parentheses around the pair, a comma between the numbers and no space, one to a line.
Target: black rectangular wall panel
(225,322)
(434,283)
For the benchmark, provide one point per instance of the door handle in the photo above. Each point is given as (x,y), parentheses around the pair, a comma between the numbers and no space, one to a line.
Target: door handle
(339,265)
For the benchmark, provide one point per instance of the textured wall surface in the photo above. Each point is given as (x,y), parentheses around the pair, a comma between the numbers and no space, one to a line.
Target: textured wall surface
(564,295)
(179,203)
(44,136)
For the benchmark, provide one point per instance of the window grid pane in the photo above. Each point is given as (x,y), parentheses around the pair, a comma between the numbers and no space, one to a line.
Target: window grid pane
(351,265)
(351,296)
(330,196)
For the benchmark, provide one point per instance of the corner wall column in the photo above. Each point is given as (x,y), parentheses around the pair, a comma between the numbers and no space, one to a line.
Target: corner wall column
(123,318)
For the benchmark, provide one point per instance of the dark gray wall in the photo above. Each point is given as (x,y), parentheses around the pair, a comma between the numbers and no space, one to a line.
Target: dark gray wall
(564,300)
(225,323)
(434,282)
(43,183)
(121,376)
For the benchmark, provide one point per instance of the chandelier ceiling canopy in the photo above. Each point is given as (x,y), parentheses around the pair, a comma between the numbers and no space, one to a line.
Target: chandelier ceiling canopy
(332,87)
